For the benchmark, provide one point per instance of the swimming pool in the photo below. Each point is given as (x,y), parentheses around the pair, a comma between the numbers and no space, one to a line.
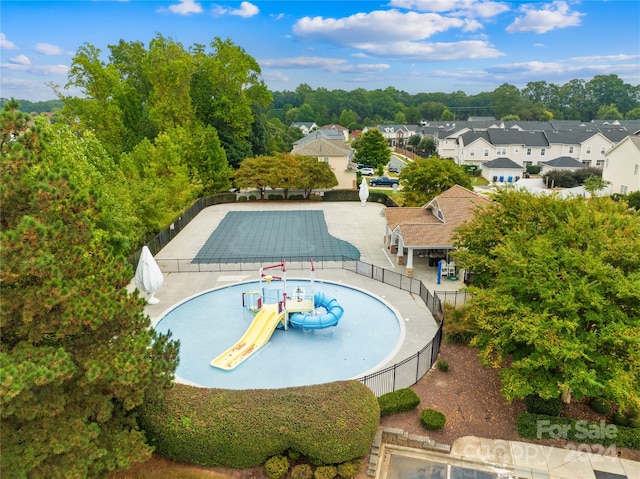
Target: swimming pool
(368,335)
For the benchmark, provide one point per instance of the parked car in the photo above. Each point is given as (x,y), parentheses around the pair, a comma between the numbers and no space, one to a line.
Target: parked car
(383,181)
(367,172)
(394,169)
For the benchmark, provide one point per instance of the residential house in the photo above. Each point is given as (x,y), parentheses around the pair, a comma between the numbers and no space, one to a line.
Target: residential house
(305,127)
(427,231)
(329,146)
(622,166)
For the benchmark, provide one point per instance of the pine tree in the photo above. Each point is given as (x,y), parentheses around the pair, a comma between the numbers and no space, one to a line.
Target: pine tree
(78,355)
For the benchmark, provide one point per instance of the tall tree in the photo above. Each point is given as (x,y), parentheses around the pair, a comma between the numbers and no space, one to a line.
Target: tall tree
(98,110)
(372,149)
(424,179)
(78,354)
(556,295)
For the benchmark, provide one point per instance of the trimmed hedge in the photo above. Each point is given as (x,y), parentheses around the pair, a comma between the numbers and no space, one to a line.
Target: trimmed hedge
(329,423)
(398,401)
(555,427)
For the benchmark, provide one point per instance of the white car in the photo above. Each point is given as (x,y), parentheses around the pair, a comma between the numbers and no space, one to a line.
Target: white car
(367,172)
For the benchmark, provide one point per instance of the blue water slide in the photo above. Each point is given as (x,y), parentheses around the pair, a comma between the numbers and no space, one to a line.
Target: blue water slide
(318,321)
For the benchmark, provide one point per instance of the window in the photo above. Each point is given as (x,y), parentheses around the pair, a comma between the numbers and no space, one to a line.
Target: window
(501,151)
(571,150)
(472,152)
(588,150)
(542,151)
(635,169)
(603,149)
(600,163)
(606,164)
(527,163)
(326,159)
(486,152)
(528,151)
(586,162)
(623,190)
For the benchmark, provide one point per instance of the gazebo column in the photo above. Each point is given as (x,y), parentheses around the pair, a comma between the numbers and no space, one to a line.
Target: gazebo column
(392,243)
(388,235)
(400,251)
(410,262)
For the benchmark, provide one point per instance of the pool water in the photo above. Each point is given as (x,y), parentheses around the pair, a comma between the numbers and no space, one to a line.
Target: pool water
(368,335)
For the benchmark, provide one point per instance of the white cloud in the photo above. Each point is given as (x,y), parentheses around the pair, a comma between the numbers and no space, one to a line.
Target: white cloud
(466,8)
(184,7)
(6,44)
(376,26)
(48,49)
(332,65)
(377,34)
(36,69)
(246,10)
(20,60)
(550,16)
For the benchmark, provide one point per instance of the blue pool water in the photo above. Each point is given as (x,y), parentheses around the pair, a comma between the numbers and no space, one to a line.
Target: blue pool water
(367,336)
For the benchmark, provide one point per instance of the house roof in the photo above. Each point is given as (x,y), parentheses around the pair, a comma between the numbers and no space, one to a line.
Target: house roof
(320,146)
(564,162)
(503,163)
(333,126)
(421,227)
(327,134)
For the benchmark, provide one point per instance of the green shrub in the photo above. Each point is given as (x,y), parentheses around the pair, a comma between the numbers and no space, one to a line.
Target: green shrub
(620,419)
(253,197)
(275,197)
(301,471)
(459,327)
(350,469)
(242,198)
(243,428)
(398,401)
(443,366)
(600,405)
(432,420)
(296,197)
(537,405)
(325,472)
(533,169)
(276,466)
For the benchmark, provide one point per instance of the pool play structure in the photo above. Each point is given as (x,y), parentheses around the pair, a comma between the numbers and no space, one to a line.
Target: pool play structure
(367,336)
(275,308)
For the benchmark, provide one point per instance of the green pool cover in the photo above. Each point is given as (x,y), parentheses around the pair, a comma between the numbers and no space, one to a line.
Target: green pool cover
(246,236)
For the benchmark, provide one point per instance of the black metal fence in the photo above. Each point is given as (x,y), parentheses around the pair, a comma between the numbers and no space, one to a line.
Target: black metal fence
(410,370)
(454,298)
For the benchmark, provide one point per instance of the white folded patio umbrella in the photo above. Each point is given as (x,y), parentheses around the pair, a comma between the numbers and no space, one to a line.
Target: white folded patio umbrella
(148,277)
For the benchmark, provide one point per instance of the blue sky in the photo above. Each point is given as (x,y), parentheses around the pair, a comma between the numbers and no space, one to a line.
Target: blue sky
(412,45)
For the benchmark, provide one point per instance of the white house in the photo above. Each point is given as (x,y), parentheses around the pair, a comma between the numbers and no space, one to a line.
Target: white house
(622,165)
(502,170)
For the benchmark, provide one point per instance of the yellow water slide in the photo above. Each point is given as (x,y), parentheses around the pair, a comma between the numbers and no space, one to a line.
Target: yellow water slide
(256,336)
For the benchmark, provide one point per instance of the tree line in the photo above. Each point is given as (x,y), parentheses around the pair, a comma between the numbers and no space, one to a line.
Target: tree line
(602,97)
